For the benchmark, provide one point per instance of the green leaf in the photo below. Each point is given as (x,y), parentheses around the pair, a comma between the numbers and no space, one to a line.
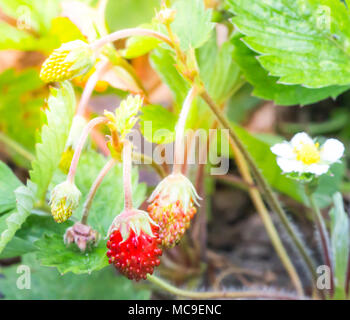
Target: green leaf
(192,23)
(267,87)
(266,161)
(139,45)
(164,63)
(340,244)
(13,38)
(163,124)
(25,200)
(302,42)
(329,184)
(129,13)
(53,136)
(221,75)
(32,230)
(47,283)
(52,252)
(22,96)
(8,184)
(33,14)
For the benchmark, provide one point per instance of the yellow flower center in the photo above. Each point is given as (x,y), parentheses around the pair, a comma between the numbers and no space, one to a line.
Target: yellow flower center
(308,153)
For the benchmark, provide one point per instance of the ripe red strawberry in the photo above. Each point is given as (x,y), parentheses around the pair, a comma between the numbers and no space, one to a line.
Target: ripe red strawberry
(134,244)
(172,208)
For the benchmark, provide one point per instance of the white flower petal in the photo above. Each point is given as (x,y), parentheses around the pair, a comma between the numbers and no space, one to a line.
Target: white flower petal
(284,150)
(301,138)
(332,150)
(317,169)
(289,165)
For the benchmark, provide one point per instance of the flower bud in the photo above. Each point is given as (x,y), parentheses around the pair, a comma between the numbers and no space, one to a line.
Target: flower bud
(64,199)
(68,61)
(172,207)
(166,15)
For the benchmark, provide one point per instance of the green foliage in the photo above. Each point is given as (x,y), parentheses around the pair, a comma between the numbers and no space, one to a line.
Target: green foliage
(139,45)
(52,252)
(47,283)
(163,124)
(221,75)
(14,220)
(12,38)
(192,23)
(33,229)
(269,88)
(340,244)
(302,42)
(164,63)
(329,184)
(53,136)
(22,96)
(8,184)
(129,13)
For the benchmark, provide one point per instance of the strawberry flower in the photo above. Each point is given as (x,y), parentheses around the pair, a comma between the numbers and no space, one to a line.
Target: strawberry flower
(303,155)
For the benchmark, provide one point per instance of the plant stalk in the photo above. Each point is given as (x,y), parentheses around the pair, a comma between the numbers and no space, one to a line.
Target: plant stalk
(265,187)
(324,236)
(15,146)
(254,294)
(89,87)
(265,217)
(87,205)
(125,33)
(180,131)
(146,159)
(73,167)
(127,162)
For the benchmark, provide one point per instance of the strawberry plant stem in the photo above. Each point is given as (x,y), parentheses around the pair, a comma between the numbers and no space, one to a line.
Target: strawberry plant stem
(149,160)
(125,33)
(265,187)
(89,88)
(15,146)
(324,236)
(127,161)
(265,217)
(87,205)
(73,167)
(180,131)
(219,294)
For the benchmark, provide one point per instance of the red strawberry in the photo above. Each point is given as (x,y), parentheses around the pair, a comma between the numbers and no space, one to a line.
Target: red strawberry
(172,208)
(134,244)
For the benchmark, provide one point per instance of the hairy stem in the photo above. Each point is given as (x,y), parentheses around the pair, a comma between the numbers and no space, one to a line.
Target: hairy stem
(127,162)
(15,146)
(254,294)
(81,143)
(324,236)
(87,205)
(265,217)
(148,160)
(125,33)
(180,130)
(265,187)
(89,87)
